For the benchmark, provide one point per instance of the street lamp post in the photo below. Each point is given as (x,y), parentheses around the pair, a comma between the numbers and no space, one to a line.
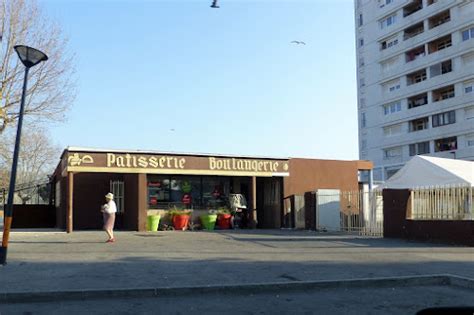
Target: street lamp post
(30,57)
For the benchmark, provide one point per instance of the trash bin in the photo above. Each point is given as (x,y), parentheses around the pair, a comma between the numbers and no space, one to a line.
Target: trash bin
(152,222)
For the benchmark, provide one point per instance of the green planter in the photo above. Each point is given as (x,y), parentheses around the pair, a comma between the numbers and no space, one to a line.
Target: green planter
(208,221)
(152,223)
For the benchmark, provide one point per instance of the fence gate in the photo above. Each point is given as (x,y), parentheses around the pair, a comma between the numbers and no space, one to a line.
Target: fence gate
(328,210)
(349,211)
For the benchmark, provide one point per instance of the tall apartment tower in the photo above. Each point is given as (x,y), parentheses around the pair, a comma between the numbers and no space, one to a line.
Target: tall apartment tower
(415,76)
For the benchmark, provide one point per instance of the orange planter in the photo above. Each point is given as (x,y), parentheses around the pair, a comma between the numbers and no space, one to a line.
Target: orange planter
(224,221)
(180,221)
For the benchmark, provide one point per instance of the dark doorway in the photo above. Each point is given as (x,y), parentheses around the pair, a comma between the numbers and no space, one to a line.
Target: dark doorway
(269,202)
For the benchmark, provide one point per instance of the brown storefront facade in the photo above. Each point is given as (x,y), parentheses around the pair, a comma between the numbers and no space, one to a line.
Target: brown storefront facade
(147,182)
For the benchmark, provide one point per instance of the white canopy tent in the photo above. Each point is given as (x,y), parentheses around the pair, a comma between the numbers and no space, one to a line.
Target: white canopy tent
(428,171)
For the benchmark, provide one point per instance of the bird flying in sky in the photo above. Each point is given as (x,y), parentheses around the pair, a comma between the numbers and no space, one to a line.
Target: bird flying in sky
(214,4)
(298,42)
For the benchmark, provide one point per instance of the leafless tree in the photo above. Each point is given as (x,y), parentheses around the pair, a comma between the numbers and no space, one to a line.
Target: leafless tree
(38,157)
(51,84)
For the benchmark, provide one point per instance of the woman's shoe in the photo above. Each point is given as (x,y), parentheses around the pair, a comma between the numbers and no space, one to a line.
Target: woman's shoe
(111,240)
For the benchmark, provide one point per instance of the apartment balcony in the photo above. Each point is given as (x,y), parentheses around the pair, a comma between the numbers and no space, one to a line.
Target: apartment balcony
(413,7)
(413,30)
(418,100)
(418,124)
(416,77)
(440,44)
(439,19)
(443,93)
(415,53)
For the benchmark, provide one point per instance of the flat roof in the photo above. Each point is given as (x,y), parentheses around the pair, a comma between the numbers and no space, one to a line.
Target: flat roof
(363,164)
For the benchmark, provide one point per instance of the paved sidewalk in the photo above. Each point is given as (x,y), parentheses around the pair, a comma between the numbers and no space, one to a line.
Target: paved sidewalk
(80,261)
(332,301)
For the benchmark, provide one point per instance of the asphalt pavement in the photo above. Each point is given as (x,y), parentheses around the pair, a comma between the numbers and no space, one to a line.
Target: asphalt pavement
(55,261)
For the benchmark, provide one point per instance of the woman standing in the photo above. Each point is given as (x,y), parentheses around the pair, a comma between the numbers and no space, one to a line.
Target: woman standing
(109,209)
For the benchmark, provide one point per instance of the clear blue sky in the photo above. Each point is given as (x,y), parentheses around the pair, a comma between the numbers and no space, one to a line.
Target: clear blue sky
(226,80)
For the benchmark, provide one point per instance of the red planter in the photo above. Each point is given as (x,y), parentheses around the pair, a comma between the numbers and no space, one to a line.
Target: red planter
(180,222)
(224,221)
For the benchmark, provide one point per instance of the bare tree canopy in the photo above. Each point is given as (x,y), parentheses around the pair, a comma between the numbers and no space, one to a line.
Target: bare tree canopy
(38,157)
(51,87)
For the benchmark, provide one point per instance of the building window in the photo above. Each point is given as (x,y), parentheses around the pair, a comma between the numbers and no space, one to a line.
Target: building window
(388,21)
(392,153)
(443,93)
(361,21)
(439,44)
(392,130)
(362,82)
(420,148)
(392,107)
(361,62)
(363,145)
(383,3)
(439,19)
(388,43)
(363,120)
(468,87)
(416,77)
(470,140)
(414,6)
(430,2)
(389,64)
(468,34)
(415,53)
(469,112)
(468,59)
(361,42)
(392,85)
(192,192)
(418,124)
(446,144)
(390,172)
(362,102)
(418,100)
(441,68)
(117,188)
(442,119)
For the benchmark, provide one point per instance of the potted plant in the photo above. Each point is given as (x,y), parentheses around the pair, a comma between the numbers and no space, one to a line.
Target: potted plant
(180,218)
(224,218)
(209,220)
(152,222)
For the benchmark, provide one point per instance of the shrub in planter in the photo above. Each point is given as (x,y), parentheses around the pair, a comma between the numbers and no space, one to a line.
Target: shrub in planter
(224,218)
(152,222)
(209,220)
(180,218)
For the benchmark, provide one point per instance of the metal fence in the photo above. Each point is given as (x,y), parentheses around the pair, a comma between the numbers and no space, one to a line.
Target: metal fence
(350,211)
(366,215)
(441,203)
(31,193)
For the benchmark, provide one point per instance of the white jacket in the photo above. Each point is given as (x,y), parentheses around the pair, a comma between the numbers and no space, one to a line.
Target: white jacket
(110,207)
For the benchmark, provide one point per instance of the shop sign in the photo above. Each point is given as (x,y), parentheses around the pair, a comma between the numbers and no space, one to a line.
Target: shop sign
(173,164)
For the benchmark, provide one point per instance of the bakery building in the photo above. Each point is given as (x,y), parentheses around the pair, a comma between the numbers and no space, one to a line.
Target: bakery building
(145,182)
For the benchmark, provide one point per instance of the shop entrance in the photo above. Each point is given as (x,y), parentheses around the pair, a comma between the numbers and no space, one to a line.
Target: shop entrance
(269,202)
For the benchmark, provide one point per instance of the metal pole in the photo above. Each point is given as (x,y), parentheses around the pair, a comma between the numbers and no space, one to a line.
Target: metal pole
(371,180)
(11,190)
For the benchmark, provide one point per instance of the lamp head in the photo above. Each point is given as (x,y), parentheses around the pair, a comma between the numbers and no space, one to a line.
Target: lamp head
(30,56)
